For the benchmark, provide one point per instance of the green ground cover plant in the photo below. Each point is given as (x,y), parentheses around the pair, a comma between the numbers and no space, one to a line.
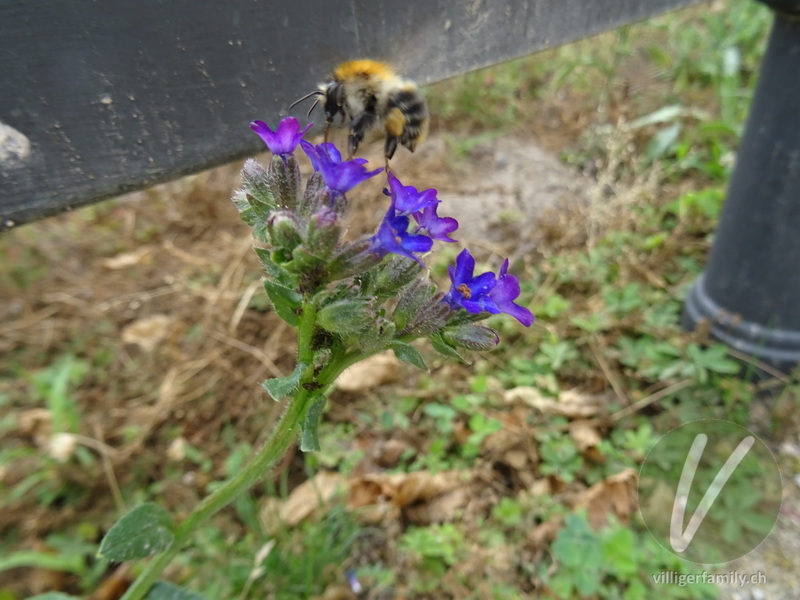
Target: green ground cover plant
(468,482)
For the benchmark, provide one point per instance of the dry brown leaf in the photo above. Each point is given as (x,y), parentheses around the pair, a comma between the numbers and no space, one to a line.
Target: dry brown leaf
(615,495)
(541,487)
(126,259)
(375,514)
(421,486)
(365,490)
(584,434)
(37,422)
(368,374)
(575,404)
(440,509)
(424,497)
(516,459)
(302,502)
(545,532)
(570,403)
(387,454)
(526,395)
(147,333)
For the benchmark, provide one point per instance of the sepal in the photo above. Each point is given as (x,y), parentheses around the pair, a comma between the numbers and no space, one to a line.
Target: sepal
(471,337)
(283,177)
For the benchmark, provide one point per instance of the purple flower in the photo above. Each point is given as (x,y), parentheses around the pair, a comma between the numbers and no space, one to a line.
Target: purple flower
(407,199)
(327,152)
(436,226)
(283,141)
(468,292)
(339,176)
(393,236)
(505,292)
(485,292)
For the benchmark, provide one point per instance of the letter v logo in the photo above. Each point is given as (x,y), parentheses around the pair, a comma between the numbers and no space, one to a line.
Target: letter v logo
(680,539)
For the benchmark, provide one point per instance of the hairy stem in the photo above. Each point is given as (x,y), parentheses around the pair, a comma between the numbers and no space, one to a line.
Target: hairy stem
(282,436)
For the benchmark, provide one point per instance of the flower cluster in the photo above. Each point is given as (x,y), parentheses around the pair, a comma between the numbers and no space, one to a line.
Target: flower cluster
(374,291)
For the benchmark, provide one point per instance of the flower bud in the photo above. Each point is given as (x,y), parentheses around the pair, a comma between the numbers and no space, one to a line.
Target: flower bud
(310,267)
(324,231)
(395,273)
(472,337)
(352,258)
(346,316)
(256,183)
(315,196)
(411,299)
(430,317)
(284,230)
(283,177)
(378,336)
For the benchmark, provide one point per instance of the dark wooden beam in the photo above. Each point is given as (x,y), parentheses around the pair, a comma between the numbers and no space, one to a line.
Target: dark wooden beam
(101,98)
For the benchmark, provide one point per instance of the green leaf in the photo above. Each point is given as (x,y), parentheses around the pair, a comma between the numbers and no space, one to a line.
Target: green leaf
(73,563)
(285,300)
(309,441)
(275,271)
(53,596)
(662,141)
(144,531)
(167,591)
(408,354)
(280,387)
(441,346)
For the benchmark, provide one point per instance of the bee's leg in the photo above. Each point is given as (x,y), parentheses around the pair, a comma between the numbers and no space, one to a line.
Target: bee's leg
(390,147)
(395,127)
(358,128)
(328,123)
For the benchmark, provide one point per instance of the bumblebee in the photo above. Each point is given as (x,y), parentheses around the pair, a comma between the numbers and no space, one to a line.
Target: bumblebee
(371,95)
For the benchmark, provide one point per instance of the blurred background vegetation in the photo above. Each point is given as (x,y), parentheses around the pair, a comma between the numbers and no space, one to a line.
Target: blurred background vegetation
(135,338)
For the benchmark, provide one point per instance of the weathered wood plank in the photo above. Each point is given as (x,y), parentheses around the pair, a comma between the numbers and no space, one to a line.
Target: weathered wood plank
(100,98)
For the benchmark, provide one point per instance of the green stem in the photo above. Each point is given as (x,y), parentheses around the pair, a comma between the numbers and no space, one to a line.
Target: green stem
(334,368)
(279,441)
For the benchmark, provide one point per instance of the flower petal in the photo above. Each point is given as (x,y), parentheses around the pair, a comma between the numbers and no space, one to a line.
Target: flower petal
(284,140)
(339,176)
(407,199)
(437,227)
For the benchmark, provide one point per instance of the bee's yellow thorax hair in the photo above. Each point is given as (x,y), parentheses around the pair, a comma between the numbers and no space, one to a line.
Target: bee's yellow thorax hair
(363,69)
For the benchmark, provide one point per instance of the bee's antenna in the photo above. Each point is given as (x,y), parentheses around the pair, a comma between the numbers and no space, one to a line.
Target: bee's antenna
(306,97)
(313,106)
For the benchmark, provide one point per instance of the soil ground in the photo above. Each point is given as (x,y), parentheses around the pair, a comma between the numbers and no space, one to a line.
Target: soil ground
(155,293)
